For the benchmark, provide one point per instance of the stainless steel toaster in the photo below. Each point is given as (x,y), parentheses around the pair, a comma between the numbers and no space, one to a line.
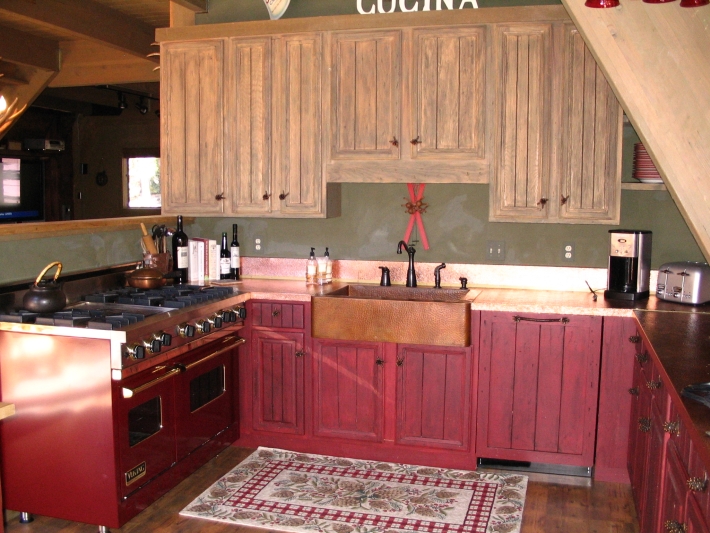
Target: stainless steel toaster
(685,282)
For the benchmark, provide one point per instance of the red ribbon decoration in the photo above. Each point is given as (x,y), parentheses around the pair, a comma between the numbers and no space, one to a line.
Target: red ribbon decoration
(416,193)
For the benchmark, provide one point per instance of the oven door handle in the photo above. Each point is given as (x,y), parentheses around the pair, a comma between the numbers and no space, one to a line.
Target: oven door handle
(129,393)
(237,342)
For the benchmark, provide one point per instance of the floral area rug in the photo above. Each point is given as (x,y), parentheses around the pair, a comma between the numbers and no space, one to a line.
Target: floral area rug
(288,491)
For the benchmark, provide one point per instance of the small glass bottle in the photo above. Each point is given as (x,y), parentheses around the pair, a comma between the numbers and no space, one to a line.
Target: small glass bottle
(311,268)
(328,267)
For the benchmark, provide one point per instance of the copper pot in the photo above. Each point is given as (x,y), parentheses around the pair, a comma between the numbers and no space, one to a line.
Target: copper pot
(45,296)
(146,278)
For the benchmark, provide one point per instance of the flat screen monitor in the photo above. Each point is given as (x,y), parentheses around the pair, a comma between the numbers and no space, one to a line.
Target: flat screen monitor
(22,192)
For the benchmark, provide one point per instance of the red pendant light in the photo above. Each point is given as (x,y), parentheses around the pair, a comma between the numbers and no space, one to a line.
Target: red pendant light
(694,3)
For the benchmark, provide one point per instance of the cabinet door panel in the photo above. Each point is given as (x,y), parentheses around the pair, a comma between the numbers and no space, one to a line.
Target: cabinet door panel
(278,381)
(449,107)
(348,390)
(365,87)
(591,137)
(192,127)
(249,125)
(433,396)
(538,388)
(521,180)
(298,173)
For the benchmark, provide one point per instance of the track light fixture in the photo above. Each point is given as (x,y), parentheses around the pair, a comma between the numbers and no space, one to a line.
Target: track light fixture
(122,101)
(142,105)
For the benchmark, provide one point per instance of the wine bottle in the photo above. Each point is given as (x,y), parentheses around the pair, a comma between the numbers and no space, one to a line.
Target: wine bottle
(234,254)
(224,259)
(180,252)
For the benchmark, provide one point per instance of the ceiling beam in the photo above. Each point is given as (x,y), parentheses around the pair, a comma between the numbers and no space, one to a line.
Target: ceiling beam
(87,19)
(23,48)
(198,6)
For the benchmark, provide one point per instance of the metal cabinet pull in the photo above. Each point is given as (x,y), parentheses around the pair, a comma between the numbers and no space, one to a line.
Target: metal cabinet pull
(672,526)
(416,141)
(129,393)
(542,202)
(266,196)
(695,484)
(635,339)
(379,362)
(400,362)
(644,424)
(220,196)
(563,199)
(214,354)
(283,195)
(653,385)
(634,391)
(563,320)
(300,353)
(672,427)
(642,358)
(275,313)
(394,142)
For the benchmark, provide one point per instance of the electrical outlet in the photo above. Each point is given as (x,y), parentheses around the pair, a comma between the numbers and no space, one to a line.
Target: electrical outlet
(568,252)
(495,251)
(257,244)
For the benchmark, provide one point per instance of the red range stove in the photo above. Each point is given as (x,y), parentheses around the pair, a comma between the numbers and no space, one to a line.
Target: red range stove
(118,397)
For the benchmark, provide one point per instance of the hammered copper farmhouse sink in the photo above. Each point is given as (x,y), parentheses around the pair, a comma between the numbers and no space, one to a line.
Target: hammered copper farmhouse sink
(439,317)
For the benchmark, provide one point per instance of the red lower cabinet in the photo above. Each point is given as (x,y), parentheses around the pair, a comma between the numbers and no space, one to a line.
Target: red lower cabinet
(348,379)
(278,374)
(538,387)
(433,396)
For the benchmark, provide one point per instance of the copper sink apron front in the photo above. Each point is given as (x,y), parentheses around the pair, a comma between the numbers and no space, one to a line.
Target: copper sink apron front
(398,321)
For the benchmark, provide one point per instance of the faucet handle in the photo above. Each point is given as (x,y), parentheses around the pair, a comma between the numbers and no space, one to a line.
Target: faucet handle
(463,281)
(385,281)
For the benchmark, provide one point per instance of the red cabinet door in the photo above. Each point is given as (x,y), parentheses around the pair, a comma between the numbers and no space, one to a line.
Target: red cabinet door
(674,490)
(278,362)
(348,389)
(639,436)
(538,387)
(433,396)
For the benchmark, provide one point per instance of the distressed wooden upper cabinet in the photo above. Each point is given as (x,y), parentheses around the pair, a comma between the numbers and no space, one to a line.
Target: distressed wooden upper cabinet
(273,128)
(409,105)
(558,129)
(192,136)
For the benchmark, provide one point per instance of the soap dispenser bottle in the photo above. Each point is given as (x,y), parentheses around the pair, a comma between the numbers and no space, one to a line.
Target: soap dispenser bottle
(312,268)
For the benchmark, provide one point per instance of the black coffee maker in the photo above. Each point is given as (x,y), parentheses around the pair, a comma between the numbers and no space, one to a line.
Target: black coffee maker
(629,265)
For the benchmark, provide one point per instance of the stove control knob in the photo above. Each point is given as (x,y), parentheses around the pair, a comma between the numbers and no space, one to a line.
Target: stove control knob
(164,338)
(153,345)
(135,351)
(203,326)
(240,312)
(228,316)
(186,330)
(215,320)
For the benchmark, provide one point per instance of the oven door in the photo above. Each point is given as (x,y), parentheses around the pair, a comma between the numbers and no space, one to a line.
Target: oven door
(146,426)
(204,393)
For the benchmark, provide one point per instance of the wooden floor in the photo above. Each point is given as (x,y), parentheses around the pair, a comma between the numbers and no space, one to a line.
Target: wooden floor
(553,504)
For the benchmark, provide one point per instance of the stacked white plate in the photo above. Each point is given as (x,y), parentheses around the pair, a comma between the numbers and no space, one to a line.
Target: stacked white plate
(644,169)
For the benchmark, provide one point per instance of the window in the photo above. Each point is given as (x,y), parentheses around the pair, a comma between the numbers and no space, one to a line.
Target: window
(142,185)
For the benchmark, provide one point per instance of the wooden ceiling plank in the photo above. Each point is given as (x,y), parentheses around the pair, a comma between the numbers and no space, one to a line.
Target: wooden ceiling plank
(654,59)
(89,20)
(111,74)
(20,47)
(181,16)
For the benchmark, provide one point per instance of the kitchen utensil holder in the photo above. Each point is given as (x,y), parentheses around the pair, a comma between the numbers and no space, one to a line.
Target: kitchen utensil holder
(162,261)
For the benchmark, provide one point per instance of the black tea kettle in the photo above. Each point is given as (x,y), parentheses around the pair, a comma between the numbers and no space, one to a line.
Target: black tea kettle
(45,296)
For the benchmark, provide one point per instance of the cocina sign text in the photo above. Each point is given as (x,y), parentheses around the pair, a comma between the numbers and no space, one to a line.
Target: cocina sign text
(407,6)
